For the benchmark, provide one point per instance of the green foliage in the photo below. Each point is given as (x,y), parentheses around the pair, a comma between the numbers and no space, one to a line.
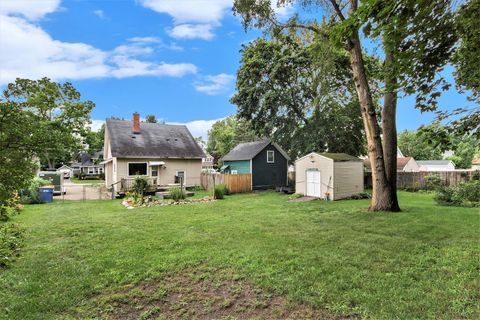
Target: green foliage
(433,182)
(419,146)
(11,239)
(140,185)
(467,55)
(226,134)
(177,193)
(151,118)
(60,117)
(299,92)
(31,194)
(219,191)
(359,196)
(466,194)
(94,139)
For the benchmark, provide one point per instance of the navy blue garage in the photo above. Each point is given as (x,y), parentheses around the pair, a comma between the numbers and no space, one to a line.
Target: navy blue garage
(265,160)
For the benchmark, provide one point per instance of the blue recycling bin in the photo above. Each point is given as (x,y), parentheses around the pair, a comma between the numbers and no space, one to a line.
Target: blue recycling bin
(45,194)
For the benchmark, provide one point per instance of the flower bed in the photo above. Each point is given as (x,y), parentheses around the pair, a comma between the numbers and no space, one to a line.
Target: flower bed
(131,203)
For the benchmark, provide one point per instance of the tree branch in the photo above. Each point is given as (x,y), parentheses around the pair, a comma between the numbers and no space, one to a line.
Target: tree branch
(337,9)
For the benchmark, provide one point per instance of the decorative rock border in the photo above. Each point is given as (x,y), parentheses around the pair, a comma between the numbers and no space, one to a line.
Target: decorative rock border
(130,204)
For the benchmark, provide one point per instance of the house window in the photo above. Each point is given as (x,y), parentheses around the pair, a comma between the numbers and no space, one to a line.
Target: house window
(154,171)
(91,170)
(100,170)
(180,177)
(137,169)
(270,156)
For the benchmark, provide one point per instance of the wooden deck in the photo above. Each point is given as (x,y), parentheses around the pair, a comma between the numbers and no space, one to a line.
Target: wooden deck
(126,185)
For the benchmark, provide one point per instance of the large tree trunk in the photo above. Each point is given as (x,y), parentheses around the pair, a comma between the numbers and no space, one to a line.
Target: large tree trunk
(389,129)
(383,192)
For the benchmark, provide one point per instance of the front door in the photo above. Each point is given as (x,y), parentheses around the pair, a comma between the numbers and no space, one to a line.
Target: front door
(313,183)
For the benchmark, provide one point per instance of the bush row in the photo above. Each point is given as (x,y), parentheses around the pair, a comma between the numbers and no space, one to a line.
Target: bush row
(466,194)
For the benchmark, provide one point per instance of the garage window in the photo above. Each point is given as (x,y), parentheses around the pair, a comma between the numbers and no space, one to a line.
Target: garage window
(137,169)
(270,156)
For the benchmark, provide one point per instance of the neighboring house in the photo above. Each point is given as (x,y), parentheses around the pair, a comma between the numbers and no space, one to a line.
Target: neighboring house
(207,162)
(166,153)
(436,165)
(265,160)
(405,164)
(328,175)
(476,164)
(88,164)
(66,171)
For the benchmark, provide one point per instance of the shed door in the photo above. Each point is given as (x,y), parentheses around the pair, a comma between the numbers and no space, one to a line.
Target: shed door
(313,184)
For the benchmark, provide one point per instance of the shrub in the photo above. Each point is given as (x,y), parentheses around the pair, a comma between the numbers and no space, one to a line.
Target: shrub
(11,238)
(31,194)
(220,191)
(177,193)
(433,182)
(101,176)
(466,194)
(140,185)
(359,196)
(224,188)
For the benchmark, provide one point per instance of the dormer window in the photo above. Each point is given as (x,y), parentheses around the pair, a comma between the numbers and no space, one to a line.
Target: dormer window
(270,156)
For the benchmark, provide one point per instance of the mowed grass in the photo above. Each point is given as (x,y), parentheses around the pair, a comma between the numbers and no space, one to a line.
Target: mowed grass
(417,264)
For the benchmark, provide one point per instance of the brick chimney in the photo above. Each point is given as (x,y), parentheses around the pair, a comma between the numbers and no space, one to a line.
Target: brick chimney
(136,123)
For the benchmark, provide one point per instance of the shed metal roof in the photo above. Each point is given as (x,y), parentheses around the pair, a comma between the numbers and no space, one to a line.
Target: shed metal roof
(154,140)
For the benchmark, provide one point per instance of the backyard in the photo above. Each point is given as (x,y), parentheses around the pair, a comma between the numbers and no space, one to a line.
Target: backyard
(248,256)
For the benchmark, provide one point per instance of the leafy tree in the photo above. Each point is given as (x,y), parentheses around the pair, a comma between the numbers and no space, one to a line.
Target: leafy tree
(226,134)
(19,143)
(95,139)
(467,75)
(465,149)
(292,93)
(61,116)
(416,39)
(417,145)
(151,118)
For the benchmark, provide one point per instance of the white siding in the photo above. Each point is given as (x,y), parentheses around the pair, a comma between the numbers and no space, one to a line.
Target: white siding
(314,161)
(192,168)
(348,179)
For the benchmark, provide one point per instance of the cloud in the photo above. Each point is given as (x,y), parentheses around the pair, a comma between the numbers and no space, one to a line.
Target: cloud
(214,84)
(96,124)
(198,128)
(99,13)
(200,11)
(192,31)
(20,41)
(196,19)
(31,10)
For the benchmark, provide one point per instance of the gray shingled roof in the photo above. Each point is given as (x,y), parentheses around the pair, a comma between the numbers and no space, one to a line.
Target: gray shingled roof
(433,162)
(339,157)
(246,151)
(155,140)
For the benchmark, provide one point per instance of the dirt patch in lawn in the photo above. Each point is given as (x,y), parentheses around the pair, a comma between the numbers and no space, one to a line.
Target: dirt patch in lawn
(199,294)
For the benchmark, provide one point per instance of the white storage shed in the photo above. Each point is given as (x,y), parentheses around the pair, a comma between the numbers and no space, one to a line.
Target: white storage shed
(330,176)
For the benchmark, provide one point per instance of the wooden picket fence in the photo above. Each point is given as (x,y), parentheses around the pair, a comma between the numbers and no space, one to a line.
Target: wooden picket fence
(236,183)
(416,180)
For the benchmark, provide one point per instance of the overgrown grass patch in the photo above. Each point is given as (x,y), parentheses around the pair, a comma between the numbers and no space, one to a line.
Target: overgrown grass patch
(331,256)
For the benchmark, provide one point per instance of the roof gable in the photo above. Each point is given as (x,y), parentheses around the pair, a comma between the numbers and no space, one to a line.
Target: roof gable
(249,150)
(154,140)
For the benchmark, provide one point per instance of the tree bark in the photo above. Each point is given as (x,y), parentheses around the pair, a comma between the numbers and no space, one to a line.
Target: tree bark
(389,129)
(382,189)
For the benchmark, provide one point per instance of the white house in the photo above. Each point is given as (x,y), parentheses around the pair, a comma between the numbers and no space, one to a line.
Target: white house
(436,165)
(328,175)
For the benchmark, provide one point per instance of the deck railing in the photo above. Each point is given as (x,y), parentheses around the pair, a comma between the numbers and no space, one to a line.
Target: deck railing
(126,184)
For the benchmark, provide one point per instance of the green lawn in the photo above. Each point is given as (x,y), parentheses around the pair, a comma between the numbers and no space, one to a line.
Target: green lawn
(422,263)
